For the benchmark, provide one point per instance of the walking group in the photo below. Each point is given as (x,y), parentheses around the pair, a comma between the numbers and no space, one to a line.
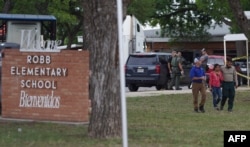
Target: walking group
(222,83)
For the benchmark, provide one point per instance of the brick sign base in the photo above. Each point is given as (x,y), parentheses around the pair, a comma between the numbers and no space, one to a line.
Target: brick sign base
(45,86)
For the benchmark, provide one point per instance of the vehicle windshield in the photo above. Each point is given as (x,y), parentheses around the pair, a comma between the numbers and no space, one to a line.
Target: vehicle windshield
(213,61)
(142,60)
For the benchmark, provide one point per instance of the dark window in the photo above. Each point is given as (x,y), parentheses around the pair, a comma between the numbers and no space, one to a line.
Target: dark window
(142,60)
(164,58)
(138,28)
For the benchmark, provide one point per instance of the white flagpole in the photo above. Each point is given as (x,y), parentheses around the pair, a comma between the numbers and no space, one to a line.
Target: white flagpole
(122,76)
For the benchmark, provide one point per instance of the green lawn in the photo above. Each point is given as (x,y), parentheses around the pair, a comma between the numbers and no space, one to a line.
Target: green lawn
(161,121)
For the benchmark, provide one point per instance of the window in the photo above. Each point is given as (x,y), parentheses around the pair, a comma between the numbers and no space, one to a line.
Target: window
(138,28)
(142,60)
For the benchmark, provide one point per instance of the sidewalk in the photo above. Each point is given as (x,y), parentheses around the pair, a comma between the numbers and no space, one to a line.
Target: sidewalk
(128,95)
(167,92)
(40,121)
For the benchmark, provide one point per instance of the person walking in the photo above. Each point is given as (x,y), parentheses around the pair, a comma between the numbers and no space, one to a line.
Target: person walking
(176,71)
(204,59)
(173,54)
(230,83)
(215,80)
(197,74)
(179,54)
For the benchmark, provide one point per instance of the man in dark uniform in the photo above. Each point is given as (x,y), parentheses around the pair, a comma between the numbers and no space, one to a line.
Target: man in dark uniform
(176,71)
(170,68)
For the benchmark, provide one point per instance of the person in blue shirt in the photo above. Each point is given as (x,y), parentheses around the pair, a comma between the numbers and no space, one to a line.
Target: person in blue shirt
(198,77)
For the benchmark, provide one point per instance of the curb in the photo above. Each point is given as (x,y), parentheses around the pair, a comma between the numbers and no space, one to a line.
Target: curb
(168,92)
(40,121)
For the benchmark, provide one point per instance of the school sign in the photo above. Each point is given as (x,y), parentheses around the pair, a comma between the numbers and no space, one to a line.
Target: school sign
(45,84)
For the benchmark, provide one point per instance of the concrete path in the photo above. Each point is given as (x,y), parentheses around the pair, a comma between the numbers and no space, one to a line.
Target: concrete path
(165,92)
(144,92)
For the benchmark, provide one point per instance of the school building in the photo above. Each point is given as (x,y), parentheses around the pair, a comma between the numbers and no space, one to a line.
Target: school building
(190,49)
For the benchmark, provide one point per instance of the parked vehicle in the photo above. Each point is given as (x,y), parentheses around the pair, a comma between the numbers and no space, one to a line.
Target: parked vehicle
(241,67)
(212,59)
(147,70)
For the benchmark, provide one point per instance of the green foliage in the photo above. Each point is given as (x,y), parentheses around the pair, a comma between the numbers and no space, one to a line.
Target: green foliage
(142,9)
(179,19)
(63,11)
(184,20)
(220,11)
(68,13)
(25,7)
(245,5)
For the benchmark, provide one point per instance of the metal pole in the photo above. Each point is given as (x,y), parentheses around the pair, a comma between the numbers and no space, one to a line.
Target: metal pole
(225,51)
(122,76)
(247,63)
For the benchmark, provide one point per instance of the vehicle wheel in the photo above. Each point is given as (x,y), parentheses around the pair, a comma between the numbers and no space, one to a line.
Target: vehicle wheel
(158,87)
(133,87)
(190,85)
(244,81)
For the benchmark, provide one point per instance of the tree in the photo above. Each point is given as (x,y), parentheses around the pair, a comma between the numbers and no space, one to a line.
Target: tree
(189,20)
(232,14)
(69,19)
(100,28)
(68,13)
(142,9)
(7,6)
(241,20)
(178,19)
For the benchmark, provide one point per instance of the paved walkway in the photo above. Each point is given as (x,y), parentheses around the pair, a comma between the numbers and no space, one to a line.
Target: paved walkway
(144,93)
(165,92)
(31,121)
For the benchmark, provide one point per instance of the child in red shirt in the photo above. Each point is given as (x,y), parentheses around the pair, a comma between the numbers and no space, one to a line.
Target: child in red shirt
(215,85)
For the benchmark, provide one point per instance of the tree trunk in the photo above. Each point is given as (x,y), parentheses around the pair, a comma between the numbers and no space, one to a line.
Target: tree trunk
(242,22)
(100,28)
(240,18)
(70,40)
(7,6)
(73,30)
(62,37)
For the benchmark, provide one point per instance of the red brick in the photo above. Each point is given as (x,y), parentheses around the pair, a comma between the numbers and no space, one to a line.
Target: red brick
(73,89)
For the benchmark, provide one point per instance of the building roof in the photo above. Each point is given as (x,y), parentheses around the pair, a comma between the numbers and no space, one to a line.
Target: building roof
(216,30)
(27,17)
(157,39)
(153,33)
(235,37)
(247,14)
(219,30)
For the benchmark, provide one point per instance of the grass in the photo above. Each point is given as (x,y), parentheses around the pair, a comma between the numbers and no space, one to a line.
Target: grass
(160,121)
